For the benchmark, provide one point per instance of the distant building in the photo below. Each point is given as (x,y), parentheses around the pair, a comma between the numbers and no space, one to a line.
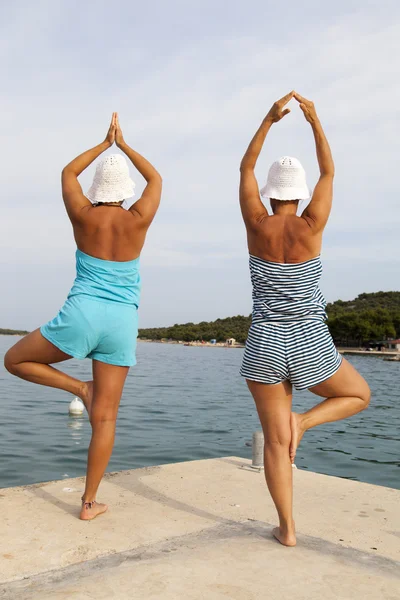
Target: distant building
(393,345)
(231,342)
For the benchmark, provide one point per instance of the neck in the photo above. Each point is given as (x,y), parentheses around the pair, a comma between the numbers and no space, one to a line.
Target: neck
(284,207)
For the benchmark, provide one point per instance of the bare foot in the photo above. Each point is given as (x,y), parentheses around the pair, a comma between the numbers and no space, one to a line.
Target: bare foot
(91,510)
(86,395)
(284,538)
(296,425)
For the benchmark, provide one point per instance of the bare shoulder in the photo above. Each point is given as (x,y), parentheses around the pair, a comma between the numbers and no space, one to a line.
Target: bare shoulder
(87,214)
(302,229)
(305,224)
(290,224)
(107,214)
(307,237)
(314,226)
(104,221)
(299,238)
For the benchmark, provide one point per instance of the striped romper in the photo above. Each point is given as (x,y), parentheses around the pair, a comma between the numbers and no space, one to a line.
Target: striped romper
(288,338)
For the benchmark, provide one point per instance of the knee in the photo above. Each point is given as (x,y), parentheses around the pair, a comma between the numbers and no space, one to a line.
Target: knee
(9,364)
(101,418)
(365,396)
(277,440)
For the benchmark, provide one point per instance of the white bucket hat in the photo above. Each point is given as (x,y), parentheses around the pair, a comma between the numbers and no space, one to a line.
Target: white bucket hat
(286,180)
(111,182)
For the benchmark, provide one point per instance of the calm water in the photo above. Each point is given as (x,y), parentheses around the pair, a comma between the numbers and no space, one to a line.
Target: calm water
(185,403)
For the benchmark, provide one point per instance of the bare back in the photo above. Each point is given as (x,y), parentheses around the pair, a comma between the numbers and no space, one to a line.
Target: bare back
(109,233)
(283,239)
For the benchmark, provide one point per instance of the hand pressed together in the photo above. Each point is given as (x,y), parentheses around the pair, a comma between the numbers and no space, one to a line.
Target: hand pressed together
(119,138)
(307,107)
(277,111)
(114,133)
(110,137)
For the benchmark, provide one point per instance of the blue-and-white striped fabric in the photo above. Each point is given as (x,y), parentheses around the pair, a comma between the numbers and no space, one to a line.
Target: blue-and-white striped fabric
(288,338)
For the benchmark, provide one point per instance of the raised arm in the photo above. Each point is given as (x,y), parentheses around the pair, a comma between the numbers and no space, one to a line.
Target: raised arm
(146,207)
(318,211)
(73,197)
(253,210)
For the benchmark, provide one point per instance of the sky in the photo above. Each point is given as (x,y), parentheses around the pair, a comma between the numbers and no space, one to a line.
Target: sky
(191,82)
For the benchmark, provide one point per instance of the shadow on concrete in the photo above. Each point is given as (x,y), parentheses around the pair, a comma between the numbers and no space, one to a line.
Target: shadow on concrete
(309,548)
(235,462)
(41,493)
(135,485)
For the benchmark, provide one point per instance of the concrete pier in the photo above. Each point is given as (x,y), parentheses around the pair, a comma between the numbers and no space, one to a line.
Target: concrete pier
(199,530)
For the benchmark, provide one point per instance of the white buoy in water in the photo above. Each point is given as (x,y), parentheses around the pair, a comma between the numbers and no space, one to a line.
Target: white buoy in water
(76,407)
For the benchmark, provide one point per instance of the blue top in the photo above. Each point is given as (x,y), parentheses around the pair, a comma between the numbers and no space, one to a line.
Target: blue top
(107,280)
(287,291)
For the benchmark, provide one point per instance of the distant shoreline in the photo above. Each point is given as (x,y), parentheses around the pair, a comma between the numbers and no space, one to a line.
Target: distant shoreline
(343,351)
(193,344)
(13,332)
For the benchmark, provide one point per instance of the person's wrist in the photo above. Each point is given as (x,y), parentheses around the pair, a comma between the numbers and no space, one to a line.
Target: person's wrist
(315,122)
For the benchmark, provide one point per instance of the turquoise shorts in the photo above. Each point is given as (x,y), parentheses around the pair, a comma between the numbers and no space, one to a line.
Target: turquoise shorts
(87,327)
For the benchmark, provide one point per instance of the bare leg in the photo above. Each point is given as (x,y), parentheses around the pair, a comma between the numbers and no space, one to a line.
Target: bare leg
(30,359)
(346,393)
(108,383)
(273,404)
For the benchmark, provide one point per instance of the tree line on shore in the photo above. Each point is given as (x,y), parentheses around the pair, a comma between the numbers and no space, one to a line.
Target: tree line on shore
(12,332)
(367,319)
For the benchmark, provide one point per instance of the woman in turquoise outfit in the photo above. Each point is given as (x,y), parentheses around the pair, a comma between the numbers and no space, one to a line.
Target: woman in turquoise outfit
(99,317)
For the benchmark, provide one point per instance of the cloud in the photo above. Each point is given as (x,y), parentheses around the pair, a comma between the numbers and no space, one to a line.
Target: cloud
(192,86)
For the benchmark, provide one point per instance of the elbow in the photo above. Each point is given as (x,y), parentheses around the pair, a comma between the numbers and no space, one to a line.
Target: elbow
(329,172)
(330,169)
(244,166)
(154,179)
(67,171)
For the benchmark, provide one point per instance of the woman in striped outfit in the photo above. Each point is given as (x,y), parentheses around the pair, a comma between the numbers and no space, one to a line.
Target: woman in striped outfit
(289,343)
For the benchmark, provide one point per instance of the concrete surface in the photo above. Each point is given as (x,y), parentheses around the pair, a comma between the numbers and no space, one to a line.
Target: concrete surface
(199,530)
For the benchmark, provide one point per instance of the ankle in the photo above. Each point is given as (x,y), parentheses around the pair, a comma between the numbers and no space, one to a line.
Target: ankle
(82,390)
(304,421)
(86,499)
(286,526)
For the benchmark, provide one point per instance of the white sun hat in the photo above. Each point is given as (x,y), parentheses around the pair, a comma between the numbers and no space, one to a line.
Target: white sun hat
(286,180)
(111,182)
